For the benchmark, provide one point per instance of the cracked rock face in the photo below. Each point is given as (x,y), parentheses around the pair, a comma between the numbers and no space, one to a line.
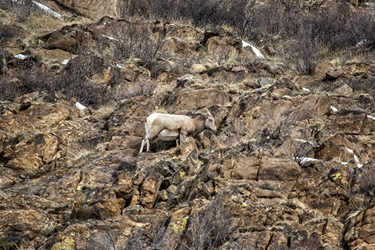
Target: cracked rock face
(291,166)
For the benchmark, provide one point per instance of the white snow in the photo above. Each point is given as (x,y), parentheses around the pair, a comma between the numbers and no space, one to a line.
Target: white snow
(304,141)
(305,159)
(349,150)
(359,165)
(362,42)
(47,10)
(119,66)
(110,38)
(255,50)
(65,61)
(80,106)
(371,117)
(20,56)
(305,89)
(43,7)
(333,109)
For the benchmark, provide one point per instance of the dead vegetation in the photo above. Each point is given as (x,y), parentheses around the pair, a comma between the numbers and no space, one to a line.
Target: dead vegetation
(305,38)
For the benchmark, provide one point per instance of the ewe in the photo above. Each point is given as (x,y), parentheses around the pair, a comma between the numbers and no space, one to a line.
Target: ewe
(170,127)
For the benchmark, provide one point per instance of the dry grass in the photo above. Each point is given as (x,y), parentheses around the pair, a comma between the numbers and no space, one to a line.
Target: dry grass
(104,111)
(38,23)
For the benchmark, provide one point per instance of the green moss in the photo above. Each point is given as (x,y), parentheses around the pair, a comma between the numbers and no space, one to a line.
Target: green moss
(66,244)
(182,174)
(336,176)
(127,232)
(180,226)
(164,195)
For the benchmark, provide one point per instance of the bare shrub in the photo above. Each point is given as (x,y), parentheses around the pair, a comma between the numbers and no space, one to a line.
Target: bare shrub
(157,237)
(305,52)
(132,40)
(6,4)
(136,240)
(129,90)
(23,10)
(7,32)
(209,228)
(335,28)
(25,80)
(73,82)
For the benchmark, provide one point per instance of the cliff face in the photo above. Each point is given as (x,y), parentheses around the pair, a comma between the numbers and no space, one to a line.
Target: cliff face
(291,166)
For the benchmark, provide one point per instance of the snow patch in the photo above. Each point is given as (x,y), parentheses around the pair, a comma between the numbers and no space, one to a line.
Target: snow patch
(304,159)
(305,89)
(360,43)
(65,61)
(80,106)
(304,141)
(20,56)
(334,109)
(349,150)
(371,117)
(255,50)
(47,10)
(119,66)
(42,7)
(359,165)
(110,38)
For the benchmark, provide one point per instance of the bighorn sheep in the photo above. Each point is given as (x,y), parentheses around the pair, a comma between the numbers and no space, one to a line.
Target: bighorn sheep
(169,127)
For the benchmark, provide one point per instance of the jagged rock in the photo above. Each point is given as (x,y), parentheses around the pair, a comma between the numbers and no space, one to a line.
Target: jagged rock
(334,75)
(149,191)
(222,44)
(266,81)
(69,38)
(350,122)
(96,205)
(25,224)
(195,99)
(344,90)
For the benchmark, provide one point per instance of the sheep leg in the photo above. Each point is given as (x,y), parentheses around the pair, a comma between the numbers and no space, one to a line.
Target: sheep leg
(142,145)
(145,140)
(148,145)
(182,137)
(151,133)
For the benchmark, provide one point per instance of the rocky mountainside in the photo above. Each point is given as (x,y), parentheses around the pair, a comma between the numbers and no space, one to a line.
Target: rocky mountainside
(291,166)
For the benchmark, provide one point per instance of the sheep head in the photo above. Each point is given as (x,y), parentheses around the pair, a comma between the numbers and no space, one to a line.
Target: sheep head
(209,121)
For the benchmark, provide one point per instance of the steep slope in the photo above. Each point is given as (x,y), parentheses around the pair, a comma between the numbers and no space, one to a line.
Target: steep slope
(291,166)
